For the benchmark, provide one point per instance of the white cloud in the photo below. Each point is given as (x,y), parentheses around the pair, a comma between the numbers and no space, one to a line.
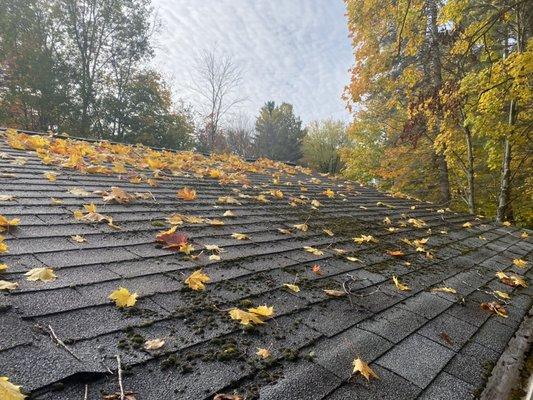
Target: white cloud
(296,51)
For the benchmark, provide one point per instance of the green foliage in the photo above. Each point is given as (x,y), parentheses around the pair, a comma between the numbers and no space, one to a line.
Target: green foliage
(323,143)
(279,132)
(77,66)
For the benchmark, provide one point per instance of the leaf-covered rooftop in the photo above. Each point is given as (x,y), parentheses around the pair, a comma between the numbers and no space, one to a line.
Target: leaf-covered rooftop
(211,275)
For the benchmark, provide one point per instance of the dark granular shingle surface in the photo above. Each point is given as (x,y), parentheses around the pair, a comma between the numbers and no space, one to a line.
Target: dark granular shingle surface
(422,344)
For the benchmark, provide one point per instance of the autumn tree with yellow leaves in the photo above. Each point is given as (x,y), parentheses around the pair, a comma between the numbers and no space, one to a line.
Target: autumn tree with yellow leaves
(441,95)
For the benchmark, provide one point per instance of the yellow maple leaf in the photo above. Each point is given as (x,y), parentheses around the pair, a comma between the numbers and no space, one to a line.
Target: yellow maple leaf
(3,245)
(41,274)
(239,236)
(78,238)
(301,227)
(387,221)
(123,298)
(245,317)
(444,289)
(154,344)
(197,279)
(511,280)
(9,391)
(506,223)
(262,311)
(51,176)
(363,368)
(278,194)
(6,285)
(3,267)
(520,263)
(329,193)
(400,285)
(313,250)
(186,194)
(524,235)
(262,352)
(502,295)
(364,239)
(5,223)
(294,288)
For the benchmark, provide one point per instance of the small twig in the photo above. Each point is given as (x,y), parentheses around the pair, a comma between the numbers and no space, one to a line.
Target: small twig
(61,343)
(119,370)
(86,396)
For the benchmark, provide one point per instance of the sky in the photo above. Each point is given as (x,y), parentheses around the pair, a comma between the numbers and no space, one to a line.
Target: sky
(297,51)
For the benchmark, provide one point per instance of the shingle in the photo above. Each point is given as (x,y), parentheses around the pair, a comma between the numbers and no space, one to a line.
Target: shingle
(448,387)
(337,353)
(306,381)
(393,324)
(417,359)
(389,387)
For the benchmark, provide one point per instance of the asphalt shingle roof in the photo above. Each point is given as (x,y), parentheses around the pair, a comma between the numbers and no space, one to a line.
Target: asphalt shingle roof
(422,344)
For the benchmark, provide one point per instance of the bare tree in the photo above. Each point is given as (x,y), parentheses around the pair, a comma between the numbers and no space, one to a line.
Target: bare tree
(216,80)
(240,135)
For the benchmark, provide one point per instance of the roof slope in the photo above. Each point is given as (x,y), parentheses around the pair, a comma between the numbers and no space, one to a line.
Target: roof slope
(418,342)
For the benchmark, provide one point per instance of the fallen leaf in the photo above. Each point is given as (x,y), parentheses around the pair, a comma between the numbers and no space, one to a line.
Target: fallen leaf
(263,353)
(506,223)
(262,311)
(172,240)
(214,257)
(502,295)
(197,279)
(6,224)
(78,238)
(41,274)
(123,298)
(511,280)
(399,285)
(329,193)
(446,338)
(301,227)
(315,203)
(334,293)
(387,221)
(313,250)
(117,195)
(520,263)
(223,396)
(316,269)
(284,231)
(364,239)
(444,289)
(495,308)
(6,285)
(353,259)
(3,267)
(154,344)
(186,194)
(328,232)
(51,176)
(3,245)
(6,197)
(524,235)
(294,288)
(9,391)
(56,201)
(245,317)
(467,225)
(395,253)
(240,236)
(278,194)
(228,213)
(227,200)
(363,368)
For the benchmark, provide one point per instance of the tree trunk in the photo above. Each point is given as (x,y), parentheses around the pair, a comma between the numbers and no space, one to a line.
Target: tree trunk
(470,172)
(436,72)
(505,182)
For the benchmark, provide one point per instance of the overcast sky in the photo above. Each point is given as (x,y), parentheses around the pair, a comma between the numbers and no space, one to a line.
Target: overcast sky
(296,51)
